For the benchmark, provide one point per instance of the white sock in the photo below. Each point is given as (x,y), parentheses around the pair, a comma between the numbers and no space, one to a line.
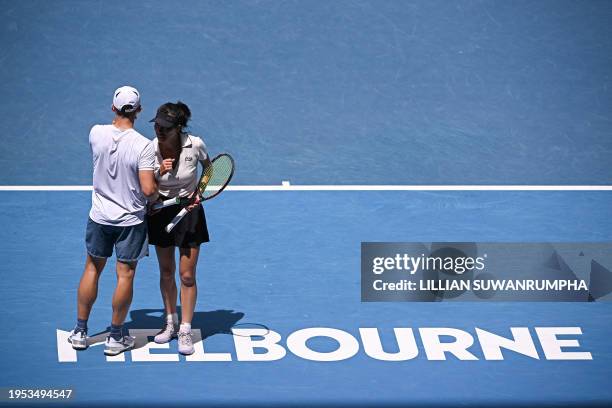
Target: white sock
(172,318)
(185,327)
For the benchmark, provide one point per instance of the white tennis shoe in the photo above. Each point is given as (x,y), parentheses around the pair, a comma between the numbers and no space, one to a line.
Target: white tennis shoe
(78,339)
(166,334)
(114,347)
(185,343)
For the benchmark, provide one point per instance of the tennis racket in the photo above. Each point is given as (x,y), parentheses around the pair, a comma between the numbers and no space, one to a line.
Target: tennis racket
(214,179)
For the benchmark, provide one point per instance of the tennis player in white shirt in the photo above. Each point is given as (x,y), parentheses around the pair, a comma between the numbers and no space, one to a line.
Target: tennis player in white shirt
(178,154)
(123,180)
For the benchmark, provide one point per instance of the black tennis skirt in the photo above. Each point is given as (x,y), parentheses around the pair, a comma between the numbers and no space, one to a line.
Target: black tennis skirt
(189,233)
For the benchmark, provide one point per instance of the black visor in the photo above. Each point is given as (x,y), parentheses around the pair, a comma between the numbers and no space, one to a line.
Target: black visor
(165,119)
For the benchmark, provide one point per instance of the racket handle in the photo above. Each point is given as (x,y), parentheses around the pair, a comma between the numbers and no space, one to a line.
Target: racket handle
(176,220)
(167,203)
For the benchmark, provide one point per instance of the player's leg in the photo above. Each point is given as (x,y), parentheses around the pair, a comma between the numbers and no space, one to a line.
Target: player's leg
(131,245)
(99,247)
(189,293)
(124,291)
(88,286)
(189,288)
(167,286)
(117,341)
(167,280)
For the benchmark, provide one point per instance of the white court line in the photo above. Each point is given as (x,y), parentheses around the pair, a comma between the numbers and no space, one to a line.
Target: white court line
(286,186)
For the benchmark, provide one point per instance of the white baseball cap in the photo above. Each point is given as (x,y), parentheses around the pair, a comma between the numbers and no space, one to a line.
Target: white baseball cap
(126,99)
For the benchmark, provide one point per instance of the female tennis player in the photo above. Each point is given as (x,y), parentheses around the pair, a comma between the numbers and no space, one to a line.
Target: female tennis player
(178,154)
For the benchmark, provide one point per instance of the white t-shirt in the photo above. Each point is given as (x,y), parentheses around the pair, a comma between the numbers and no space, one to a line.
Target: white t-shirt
(182,180)
(118,155)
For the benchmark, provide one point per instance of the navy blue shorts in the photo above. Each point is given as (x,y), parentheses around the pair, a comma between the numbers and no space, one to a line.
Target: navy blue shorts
(130,243)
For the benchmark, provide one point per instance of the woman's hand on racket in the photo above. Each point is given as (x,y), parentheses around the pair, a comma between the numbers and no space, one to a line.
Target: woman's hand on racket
(195,201)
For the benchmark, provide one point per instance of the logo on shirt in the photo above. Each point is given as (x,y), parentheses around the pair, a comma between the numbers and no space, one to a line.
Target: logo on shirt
(188,158)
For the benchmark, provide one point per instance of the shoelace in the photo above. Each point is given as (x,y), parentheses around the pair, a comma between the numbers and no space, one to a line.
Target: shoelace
(80,334)
(169,327)
(185,338)
(125,339)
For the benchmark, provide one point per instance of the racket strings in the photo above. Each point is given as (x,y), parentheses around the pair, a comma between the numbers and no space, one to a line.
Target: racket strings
(216,176)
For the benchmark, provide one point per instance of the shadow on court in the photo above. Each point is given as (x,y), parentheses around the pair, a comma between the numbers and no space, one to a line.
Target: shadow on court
(209,323)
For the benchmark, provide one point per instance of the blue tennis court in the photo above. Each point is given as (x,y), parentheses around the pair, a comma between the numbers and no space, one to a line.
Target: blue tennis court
(328,96)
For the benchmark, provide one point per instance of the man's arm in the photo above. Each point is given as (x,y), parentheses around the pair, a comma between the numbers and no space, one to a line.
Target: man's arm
(148,185)
(146,173)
